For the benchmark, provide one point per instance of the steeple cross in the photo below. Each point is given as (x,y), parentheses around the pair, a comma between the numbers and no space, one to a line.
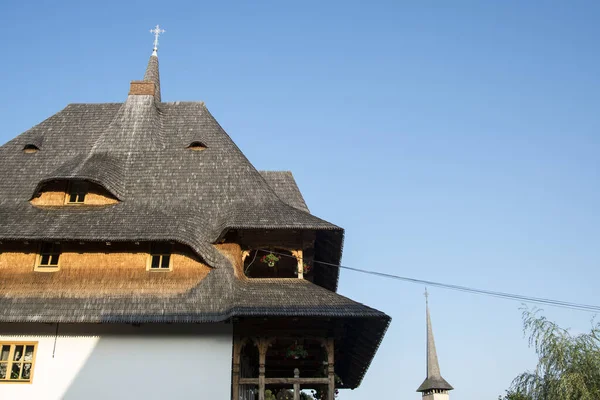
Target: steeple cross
(156,31)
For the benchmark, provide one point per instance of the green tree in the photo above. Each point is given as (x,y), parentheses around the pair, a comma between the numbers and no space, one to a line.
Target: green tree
(568,365)
(514,396)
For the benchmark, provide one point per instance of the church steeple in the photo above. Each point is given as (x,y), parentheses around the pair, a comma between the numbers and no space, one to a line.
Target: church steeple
(434,387)
(150,86)
(152,74)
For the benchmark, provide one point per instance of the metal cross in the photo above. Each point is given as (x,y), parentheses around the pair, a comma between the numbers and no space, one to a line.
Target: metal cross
(156,31)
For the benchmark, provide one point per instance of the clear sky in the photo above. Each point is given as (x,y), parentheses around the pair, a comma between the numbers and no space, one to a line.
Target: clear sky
(454,141)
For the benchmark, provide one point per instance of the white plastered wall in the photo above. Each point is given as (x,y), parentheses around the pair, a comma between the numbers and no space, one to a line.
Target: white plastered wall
(109,361)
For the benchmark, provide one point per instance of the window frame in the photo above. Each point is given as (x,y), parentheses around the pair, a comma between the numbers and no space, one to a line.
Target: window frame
(154,252)
(77,189)
(55,250)
(10,362)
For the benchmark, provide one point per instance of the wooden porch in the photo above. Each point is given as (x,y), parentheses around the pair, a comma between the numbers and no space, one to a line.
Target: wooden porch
(289,363)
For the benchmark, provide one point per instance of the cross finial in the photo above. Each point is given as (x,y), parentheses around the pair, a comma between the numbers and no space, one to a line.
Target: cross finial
(156,31)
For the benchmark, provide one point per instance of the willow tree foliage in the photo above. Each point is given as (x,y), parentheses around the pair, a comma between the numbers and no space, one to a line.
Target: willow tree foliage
(568,367)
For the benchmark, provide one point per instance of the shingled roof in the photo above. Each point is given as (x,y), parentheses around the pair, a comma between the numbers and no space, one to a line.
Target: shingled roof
(434,380)
(284,185)
(137,151)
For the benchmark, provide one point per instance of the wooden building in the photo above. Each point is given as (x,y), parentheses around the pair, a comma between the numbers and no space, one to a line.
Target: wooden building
(143,256)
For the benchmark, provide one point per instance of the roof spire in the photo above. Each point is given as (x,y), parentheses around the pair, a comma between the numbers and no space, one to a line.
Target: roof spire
(152,74)
(434,383)
(156,31)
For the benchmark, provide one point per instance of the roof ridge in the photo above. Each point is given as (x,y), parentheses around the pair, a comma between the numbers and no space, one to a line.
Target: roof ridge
(286,188)
(137,118)
(95,104)
(252,167)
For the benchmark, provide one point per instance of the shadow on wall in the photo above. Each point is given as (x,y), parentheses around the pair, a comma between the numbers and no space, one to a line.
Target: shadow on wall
(165,363)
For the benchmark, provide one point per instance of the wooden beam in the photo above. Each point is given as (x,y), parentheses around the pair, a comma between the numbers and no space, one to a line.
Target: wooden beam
(245,254)
(330,369)
(248,381)
(299,258)
(236,368)
(301,381)
(263,346)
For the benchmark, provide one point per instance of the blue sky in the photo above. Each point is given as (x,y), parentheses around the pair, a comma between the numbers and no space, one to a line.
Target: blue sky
(454,141)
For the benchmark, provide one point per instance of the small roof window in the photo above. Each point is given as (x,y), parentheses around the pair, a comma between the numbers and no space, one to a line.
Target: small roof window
(76,192)
(30,148)
(197,146)
(160,257)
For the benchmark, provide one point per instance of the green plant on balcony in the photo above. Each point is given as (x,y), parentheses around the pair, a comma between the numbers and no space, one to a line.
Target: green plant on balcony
(269,259)
(296,351)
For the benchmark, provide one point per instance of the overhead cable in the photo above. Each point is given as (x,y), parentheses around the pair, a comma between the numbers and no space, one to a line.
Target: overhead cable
(503,295)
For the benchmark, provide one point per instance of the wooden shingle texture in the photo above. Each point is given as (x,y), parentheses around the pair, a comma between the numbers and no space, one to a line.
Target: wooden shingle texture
(137,151)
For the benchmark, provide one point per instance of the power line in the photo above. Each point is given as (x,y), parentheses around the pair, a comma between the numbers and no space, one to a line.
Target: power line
(491,293)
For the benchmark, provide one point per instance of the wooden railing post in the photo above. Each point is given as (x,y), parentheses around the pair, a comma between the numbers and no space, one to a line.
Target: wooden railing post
(263,345)
(296,384)
(330,369)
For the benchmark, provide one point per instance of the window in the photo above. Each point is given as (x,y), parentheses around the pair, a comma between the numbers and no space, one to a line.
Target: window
(30,148)
(76,193)
(48,258)
(197,146)
(16,361)
(160,258)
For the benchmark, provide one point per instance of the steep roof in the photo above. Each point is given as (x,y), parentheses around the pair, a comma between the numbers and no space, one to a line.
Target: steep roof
(153,75)
(137,150)
(284,185)
(434,380)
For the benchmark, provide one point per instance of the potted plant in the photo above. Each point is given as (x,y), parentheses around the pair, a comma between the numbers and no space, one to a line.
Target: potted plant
(296,351)
(306,268)
(269,259)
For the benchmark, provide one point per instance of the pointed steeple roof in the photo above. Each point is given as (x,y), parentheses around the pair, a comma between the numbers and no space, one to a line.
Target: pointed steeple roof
(434,380)
(152,74)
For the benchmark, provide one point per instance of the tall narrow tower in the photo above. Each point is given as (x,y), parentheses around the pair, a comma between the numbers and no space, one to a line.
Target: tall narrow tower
(434,387)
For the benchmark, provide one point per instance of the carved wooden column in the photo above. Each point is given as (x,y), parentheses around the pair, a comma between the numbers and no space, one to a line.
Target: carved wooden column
(263,345)
(300,268)
(245,254)
(330,370)
(237,348)
(296,384)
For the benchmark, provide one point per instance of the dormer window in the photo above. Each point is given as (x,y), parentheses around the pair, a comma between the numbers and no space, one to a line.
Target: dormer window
(160,258)
(30,148)
(48,258)
(76,193)
(197,146)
